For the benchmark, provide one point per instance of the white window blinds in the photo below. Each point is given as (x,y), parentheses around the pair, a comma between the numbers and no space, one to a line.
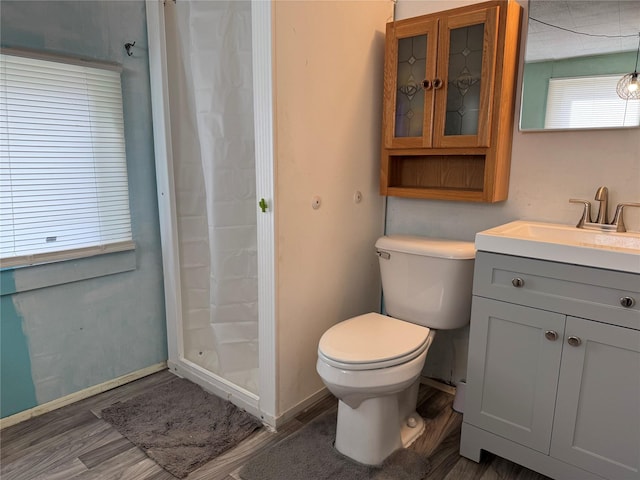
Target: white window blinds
(588,102)
(63,176)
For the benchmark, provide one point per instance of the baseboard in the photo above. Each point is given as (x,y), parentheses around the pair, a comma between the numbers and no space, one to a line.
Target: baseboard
(80,395)
(299,407)
(438,385)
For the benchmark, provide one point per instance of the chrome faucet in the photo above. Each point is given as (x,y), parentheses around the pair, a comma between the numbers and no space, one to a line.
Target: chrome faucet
(602,220)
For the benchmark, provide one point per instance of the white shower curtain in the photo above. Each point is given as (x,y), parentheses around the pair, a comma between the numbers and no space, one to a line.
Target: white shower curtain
(210,90)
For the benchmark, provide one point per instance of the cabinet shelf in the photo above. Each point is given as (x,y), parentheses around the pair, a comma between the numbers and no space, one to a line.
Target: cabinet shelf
(449,87)
(452,172)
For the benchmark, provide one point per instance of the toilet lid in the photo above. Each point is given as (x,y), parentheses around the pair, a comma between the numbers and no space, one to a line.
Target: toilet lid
(371,339)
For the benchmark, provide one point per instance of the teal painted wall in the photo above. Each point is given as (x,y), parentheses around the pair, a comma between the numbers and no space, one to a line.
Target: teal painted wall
(17,391)
(91,322)
(536,80)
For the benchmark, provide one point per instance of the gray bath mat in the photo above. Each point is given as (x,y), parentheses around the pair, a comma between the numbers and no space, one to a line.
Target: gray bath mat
(180,426)
(309,455)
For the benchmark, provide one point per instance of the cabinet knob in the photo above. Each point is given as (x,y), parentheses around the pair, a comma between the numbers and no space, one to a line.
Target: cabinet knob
(517,282)
(426,84)
(437,83)
(627,302)
(551,335)
(574,341)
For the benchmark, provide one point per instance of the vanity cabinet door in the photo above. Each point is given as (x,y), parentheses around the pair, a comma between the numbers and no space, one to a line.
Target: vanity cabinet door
(597,417)
(512,375)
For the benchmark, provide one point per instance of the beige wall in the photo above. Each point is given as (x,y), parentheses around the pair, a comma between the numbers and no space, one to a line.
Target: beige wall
(328,87)
(547,168)
(328,59)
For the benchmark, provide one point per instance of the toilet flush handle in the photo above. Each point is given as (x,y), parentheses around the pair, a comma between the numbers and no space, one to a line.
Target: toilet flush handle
(383,254)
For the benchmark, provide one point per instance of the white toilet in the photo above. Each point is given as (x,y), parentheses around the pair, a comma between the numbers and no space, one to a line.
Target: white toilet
(372,363)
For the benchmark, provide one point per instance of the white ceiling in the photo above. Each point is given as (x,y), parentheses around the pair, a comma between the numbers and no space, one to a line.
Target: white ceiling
(596,17)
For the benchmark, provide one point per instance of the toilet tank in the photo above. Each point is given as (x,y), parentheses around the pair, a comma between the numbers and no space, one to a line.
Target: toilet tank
(427,281)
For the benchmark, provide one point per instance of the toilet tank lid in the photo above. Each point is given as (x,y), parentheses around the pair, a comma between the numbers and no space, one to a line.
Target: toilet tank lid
(427,247)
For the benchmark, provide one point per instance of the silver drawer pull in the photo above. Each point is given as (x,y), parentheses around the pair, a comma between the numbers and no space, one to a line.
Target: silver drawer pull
(551,335)
(574,341)
(627,302)
(517,282)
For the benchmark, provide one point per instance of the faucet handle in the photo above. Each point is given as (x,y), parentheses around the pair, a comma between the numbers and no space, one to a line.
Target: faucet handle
(586,212)
(618,218)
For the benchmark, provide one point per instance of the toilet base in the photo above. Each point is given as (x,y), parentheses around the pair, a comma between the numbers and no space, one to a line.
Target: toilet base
(379,426)
(410,431)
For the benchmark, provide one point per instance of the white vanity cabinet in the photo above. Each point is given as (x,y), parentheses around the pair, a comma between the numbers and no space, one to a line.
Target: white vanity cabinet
(553,379)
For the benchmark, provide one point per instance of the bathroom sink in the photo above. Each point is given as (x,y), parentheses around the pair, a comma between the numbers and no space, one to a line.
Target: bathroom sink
(564,243)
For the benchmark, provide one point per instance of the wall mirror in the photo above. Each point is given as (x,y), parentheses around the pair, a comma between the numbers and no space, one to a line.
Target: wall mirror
(576,54)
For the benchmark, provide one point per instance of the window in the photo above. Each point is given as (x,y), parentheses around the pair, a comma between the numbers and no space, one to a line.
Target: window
(63,176)
(582,102)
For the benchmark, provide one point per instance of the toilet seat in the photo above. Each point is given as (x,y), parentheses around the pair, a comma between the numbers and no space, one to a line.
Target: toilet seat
(372,341)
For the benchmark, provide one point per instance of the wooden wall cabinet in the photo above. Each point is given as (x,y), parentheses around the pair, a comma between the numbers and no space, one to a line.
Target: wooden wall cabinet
(449,97)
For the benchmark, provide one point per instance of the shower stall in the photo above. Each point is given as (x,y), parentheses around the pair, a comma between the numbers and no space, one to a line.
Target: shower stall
(211,105)
(202,83)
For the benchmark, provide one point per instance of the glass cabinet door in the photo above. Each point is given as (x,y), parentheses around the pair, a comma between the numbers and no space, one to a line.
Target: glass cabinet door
(466,66)
(408,89)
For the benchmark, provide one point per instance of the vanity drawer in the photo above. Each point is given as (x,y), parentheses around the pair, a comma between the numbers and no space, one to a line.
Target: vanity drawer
(585,292)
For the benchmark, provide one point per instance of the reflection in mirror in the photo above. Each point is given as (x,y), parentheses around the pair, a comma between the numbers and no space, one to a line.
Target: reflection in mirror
(577,53)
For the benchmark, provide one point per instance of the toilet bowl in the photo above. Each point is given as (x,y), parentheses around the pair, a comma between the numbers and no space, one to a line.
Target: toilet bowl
(371,355)
(372,363)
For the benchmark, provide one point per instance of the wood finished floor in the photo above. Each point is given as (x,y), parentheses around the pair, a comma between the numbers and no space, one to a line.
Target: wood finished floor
(74,443)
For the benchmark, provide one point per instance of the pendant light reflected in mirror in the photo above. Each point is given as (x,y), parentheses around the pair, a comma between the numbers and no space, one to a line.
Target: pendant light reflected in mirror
(628,87)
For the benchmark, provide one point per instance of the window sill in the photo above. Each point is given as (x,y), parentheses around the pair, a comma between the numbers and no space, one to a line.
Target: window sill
(58,273)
